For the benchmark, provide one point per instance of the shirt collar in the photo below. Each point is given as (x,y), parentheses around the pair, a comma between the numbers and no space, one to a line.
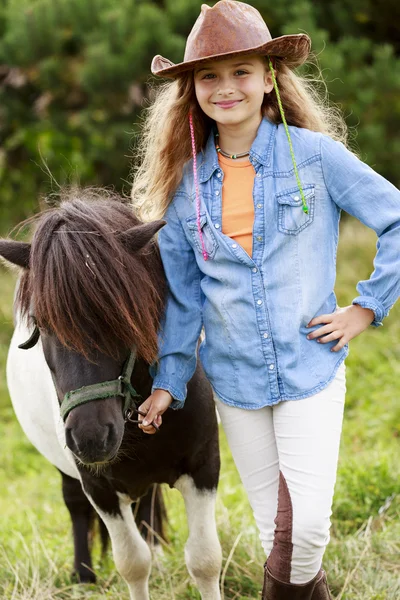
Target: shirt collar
(260,150)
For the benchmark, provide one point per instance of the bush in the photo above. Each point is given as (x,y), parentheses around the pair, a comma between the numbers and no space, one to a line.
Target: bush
(73,79)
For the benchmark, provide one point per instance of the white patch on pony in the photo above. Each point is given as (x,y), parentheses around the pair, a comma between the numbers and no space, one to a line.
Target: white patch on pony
(35,401)
(202,337)
(132,555)
(203,553)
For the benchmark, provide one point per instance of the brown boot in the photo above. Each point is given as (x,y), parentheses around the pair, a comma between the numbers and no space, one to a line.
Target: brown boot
(316,589)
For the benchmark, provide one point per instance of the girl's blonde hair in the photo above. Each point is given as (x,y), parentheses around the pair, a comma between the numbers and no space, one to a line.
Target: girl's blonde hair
(165,144)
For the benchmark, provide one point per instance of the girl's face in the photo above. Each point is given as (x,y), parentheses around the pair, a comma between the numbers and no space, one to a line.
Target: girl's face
(231,91)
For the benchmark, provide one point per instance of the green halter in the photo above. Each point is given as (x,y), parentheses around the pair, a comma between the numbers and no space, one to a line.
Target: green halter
(99,391)
(108,389)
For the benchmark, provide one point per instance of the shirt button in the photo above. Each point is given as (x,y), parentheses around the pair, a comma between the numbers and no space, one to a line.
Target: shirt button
(218,174)
(254,269)
(259,205)
(296,198)
(271,367)
(258,174)
(216,225)
(266,335)
(217,193)
(259,238)
(259,302)
(234,245)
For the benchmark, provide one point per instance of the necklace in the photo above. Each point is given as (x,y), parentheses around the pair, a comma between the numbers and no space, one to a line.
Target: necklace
(220,151)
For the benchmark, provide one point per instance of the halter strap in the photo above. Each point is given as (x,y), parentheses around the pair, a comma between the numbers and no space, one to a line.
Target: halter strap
(100,391)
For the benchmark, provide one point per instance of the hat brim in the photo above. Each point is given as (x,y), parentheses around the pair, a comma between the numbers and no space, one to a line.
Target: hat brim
(293,49)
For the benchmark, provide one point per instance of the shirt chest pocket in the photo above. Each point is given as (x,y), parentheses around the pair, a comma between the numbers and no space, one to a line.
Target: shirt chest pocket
(291,217)
(210,241)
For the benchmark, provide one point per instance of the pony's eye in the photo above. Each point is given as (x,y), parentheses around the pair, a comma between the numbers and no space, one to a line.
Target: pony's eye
(34,322)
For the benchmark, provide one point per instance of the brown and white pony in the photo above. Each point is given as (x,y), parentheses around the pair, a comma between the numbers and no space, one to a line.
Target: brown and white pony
(92,291)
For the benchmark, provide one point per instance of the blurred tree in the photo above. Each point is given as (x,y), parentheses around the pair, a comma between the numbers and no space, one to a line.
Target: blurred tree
(362,72)
(73,79)
(72,84)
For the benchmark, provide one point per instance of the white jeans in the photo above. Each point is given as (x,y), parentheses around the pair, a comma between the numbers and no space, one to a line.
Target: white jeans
(301,439)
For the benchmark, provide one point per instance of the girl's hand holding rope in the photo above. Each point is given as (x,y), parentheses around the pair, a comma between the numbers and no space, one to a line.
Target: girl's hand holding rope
(154,407)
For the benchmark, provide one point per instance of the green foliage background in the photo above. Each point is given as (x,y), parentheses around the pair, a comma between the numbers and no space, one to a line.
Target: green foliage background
(74,74)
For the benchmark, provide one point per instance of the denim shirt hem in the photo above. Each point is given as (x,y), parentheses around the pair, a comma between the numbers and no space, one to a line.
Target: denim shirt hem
(287,397)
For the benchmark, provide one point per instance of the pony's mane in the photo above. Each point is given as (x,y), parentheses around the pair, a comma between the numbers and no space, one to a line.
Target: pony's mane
(88,289)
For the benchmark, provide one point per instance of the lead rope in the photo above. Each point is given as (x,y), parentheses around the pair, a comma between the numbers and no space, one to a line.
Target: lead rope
(196,183)
(278,96)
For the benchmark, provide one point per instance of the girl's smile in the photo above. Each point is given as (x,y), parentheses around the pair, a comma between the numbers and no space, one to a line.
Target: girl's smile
(227,103)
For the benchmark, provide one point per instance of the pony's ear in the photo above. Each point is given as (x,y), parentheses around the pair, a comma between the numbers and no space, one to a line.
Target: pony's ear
(139,236)
(17,253)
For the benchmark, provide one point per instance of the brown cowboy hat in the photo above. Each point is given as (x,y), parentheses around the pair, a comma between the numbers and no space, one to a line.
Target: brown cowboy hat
(231,28)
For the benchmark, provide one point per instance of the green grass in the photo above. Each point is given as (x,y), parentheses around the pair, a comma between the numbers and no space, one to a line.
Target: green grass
(363,557)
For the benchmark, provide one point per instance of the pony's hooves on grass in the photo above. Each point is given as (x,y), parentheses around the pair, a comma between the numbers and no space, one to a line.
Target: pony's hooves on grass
(83,576)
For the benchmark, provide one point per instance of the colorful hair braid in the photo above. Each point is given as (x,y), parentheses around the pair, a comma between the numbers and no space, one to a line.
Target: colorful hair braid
(196,183)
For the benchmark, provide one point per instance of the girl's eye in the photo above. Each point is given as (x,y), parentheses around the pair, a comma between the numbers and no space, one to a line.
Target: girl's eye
(239,72)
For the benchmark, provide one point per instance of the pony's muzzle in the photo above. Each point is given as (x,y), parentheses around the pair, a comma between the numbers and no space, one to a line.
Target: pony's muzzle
(99,445)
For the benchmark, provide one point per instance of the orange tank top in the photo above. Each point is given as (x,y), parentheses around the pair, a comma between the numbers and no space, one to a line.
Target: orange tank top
(237,201)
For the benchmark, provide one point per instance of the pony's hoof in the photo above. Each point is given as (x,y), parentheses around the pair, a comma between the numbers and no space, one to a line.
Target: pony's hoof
(83,575)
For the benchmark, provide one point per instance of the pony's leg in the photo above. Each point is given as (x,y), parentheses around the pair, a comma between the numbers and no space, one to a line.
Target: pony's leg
(150,514)
(132,555)
(202,551)
(82,517)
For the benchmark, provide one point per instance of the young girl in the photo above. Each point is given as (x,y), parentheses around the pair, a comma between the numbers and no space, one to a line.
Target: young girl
(247,168)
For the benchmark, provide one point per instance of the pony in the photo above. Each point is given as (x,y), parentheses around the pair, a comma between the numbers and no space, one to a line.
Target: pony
(88,311)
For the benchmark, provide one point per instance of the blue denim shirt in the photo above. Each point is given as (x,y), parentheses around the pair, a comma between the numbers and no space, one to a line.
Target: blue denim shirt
(255,309)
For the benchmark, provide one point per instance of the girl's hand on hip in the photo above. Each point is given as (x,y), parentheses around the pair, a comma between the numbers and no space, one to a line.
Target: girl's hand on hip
(154,407)
(343,325)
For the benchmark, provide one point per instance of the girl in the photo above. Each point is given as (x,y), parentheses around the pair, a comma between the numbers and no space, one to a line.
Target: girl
(249,252)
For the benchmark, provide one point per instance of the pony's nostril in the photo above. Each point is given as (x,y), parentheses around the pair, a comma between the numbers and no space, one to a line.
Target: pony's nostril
(110,435)
(69,439)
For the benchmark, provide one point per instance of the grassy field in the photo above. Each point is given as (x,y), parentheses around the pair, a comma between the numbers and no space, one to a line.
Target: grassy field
(363,558)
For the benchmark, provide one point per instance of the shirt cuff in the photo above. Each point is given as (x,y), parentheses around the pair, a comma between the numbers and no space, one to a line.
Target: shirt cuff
(174,386)
(374,305)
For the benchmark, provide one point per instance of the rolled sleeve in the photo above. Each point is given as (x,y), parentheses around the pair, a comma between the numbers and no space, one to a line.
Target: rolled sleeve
(363,193)
(176,387)
(182,321)
(377,308)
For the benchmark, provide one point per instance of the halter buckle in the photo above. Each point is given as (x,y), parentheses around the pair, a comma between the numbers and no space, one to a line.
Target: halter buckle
(131,411)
